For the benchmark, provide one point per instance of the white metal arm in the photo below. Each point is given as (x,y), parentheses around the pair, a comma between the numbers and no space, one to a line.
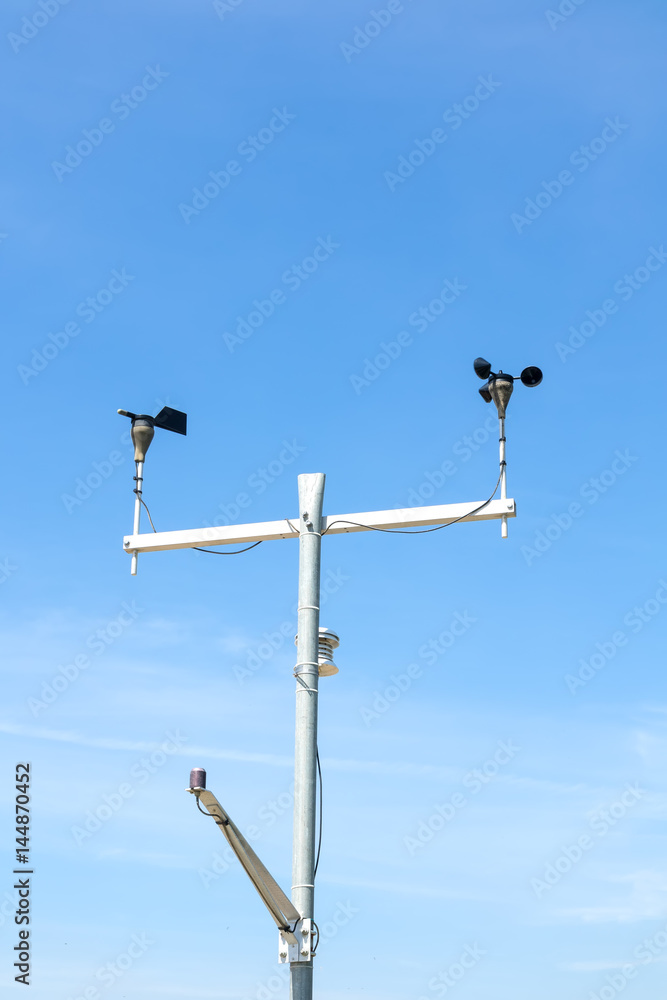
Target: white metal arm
(337,524)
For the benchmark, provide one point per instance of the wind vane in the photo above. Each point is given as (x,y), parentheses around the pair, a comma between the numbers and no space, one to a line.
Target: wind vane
(143,430)
(295,917)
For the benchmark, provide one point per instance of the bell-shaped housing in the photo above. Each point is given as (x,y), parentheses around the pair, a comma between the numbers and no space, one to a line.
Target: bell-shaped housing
(501,387)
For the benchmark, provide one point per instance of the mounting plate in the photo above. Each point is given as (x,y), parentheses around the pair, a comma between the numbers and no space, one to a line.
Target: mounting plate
(302,948)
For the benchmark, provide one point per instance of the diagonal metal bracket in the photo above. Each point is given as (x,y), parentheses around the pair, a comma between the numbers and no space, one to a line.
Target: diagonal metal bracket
(283,911)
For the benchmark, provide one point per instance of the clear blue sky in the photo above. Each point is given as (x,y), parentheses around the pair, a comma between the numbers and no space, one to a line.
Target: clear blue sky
(245,210)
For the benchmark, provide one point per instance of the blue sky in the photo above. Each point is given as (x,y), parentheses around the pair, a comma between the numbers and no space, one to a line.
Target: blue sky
(300,224)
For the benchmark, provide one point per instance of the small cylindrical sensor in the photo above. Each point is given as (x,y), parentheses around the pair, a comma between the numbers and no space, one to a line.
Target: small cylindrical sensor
(197,777)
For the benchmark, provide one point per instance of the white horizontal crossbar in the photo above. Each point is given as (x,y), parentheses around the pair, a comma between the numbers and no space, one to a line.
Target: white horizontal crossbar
(337,524)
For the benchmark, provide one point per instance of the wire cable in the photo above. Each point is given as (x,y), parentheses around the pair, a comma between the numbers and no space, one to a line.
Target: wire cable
(211,552)
(418,531)
(319,842)
(236,552)
(210,815)
(144,505)
(218,822)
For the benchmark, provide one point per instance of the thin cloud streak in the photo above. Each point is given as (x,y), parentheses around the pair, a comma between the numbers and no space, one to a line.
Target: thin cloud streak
(273,760)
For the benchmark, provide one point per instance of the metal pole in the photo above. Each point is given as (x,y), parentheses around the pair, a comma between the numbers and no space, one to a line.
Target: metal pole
(311,496)
(137,510)
(503,473)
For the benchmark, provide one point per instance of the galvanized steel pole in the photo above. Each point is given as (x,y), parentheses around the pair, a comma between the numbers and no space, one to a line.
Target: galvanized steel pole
(503,472)
(311,496)
(139,477)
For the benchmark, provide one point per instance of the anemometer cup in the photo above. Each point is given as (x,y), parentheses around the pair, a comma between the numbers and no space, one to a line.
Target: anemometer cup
(499,386)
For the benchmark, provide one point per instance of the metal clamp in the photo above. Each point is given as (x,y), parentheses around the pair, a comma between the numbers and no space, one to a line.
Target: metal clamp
(302,950)
(298,670)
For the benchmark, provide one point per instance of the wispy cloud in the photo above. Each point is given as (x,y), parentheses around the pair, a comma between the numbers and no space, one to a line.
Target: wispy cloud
(405,888)
(146,858)
(603,965)
(105,743)
(394,768)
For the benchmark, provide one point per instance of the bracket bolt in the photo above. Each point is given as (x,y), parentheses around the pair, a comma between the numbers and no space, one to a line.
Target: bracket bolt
(127,543)
(304,951)
(283,954)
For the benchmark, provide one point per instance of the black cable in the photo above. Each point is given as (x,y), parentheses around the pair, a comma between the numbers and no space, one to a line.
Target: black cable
(211,552)
(210,815)
(319,843)
(141,501)
(418,531)
(201,810)
(236,552)
(218,822)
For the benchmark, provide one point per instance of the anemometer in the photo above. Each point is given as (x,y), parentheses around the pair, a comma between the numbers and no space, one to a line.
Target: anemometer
(294,914)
